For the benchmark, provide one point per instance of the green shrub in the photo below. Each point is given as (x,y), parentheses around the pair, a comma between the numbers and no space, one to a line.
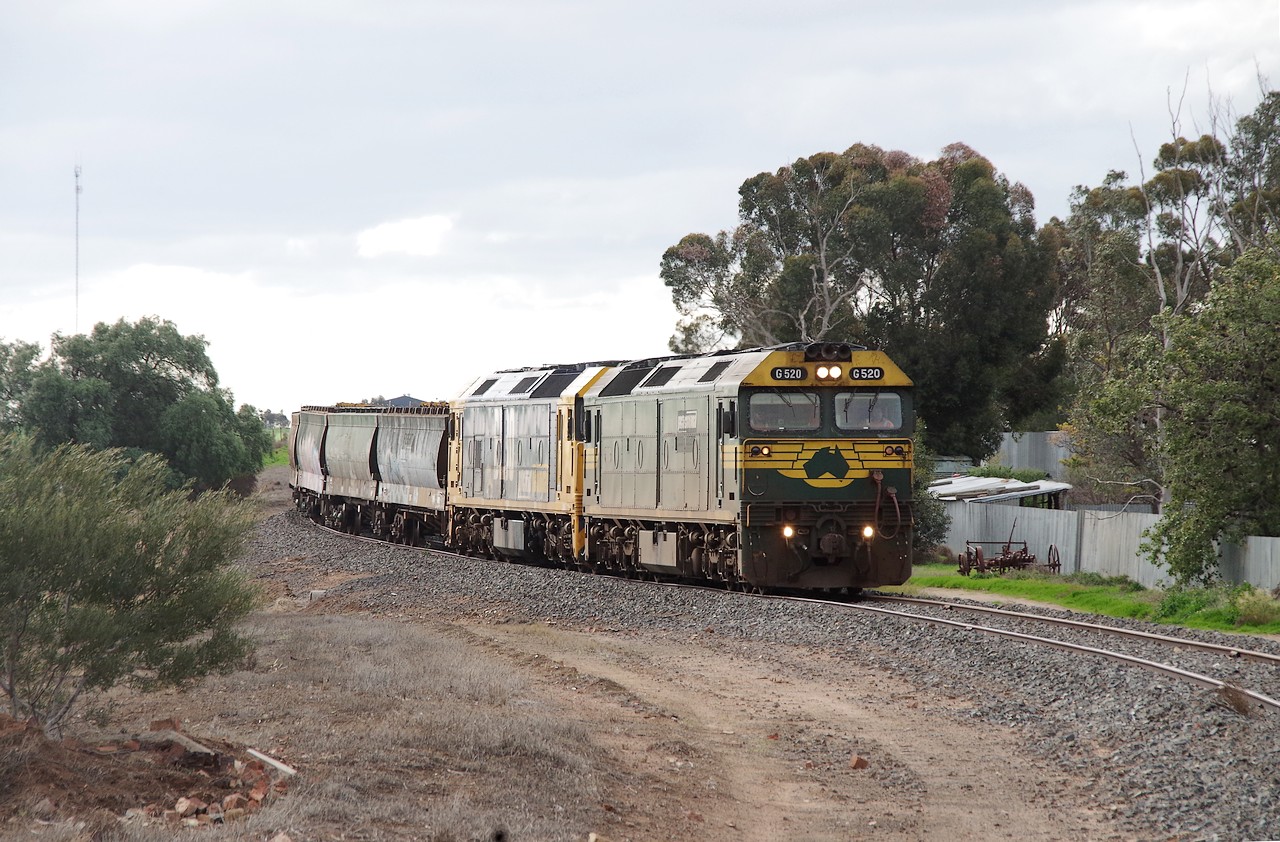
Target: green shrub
(108,577)
(1003,472)
(1214,603)
(940,554)
(1257,608)
(1179,603)
(1091,578)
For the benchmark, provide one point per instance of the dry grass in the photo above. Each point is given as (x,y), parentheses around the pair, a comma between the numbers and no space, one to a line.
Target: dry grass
(399,731)
(1233,697)
(1257,608)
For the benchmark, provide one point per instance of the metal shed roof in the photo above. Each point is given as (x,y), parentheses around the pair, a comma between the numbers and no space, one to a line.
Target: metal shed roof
(992,489)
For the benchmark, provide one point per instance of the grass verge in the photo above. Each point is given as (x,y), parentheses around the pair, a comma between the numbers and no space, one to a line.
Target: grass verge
(279,455)
(1233,608)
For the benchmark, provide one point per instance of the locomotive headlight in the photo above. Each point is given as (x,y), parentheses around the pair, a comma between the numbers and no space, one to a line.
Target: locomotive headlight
(822,372)
(868,532)
(834,371)
(788,532)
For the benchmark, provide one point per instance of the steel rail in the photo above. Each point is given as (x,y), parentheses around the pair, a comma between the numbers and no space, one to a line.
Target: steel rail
(1154,666)
(1229,651)
(1132,660)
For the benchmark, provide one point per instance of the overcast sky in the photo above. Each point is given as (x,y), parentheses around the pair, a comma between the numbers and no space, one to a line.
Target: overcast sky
(349,198)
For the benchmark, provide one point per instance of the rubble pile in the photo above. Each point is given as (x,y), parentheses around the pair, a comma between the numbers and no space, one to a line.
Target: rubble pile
(196,783)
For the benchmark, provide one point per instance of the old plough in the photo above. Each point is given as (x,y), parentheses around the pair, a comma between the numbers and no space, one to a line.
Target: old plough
(999,556)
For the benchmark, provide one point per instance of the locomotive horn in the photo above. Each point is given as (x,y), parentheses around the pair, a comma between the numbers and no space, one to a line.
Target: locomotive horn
(828,352)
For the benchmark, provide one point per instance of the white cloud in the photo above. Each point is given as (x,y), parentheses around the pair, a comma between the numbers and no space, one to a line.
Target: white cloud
(300,246)
(237,166)
(268,341)
(421,237)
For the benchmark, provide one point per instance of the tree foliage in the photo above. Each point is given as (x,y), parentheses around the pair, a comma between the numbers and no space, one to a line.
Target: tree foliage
(107,576)
(1136,257)
(17,365)
(142,387)
(937,262)
(1107,303)
(1220,389)
(1169,310)
(931,519)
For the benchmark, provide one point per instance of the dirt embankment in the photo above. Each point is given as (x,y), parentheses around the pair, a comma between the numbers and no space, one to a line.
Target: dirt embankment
(449,721)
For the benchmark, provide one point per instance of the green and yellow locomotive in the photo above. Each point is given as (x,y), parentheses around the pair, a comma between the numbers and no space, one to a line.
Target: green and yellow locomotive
(785,467)
(773,468)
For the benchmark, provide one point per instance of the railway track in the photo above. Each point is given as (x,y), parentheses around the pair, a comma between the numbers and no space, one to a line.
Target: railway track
(1227,688)
(1180,642)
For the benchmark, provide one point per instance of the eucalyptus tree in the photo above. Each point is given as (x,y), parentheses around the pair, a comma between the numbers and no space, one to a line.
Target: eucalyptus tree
(1137,256)
(937,262)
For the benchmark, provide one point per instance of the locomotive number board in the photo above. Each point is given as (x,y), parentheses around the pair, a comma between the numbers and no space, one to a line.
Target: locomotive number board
(787,373)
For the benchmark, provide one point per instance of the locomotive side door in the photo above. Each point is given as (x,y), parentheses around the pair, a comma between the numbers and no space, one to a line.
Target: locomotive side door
(645,460)
(616,420)
(685,477)
(596,432)
(717,453)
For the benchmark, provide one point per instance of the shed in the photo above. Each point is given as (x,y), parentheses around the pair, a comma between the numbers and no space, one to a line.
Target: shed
(1045,494)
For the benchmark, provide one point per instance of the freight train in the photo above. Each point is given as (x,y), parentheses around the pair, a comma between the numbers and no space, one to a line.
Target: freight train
(785,468)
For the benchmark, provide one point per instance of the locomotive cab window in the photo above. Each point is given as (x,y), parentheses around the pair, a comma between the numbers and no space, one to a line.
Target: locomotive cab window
(776,412)
(869,411)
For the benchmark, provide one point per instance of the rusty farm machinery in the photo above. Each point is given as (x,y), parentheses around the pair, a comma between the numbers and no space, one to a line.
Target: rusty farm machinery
(1000,556)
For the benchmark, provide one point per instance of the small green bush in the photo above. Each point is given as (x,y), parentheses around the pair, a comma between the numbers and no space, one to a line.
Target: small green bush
(1093,579)
(940,554)
(1257,608)
(1003,472)
(1215,603)
(1179,603)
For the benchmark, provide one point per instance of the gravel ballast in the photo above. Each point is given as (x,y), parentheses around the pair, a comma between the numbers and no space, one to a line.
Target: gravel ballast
(1163,758)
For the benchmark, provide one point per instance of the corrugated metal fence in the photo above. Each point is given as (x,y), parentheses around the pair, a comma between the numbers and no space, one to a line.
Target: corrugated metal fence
(1102,542)
(1045,451)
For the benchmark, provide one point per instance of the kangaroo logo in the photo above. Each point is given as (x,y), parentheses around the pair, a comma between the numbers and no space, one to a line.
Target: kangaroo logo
(828,460)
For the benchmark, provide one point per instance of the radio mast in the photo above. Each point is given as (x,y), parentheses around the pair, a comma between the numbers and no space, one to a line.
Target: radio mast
(79,190)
